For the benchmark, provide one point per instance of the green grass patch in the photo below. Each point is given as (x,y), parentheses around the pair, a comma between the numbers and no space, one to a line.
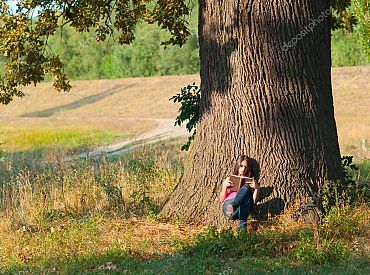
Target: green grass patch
(31,139)
(97,216)
(364,168)
(105,245)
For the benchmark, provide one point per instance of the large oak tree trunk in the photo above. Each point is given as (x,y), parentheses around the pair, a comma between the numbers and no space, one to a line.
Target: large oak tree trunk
(261,98)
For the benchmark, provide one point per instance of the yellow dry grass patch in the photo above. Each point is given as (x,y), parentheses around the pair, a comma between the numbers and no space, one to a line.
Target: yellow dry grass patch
(70,238)
(122,98)
(146,238)
(351,91)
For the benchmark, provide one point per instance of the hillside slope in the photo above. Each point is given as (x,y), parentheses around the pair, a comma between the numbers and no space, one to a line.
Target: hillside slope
(118,104)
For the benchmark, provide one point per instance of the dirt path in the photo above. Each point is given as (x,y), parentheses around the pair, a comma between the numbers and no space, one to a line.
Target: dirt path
(165,130)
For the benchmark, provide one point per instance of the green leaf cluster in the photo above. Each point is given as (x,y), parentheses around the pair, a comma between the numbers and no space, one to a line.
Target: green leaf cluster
(24,34)
(190,100)
(347,193)
(22,42)
(354,16)
(341,18)
(361,10)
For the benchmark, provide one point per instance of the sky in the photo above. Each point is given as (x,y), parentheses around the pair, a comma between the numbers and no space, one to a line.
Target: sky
(13,5)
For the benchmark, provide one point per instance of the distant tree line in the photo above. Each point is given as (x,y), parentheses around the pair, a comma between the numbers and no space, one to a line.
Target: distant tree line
(85,58)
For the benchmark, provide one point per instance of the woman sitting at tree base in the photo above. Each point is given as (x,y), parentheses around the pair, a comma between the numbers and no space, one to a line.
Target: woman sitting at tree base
(239,204)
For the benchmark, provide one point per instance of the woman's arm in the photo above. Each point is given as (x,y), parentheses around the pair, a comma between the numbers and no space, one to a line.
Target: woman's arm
(256,194)
(256,191)
(225,184)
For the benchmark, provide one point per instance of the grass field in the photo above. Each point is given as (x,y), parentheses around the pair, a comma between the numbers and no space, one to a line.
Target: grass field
(101,216)
(99,245)
(36,138)
(122,98)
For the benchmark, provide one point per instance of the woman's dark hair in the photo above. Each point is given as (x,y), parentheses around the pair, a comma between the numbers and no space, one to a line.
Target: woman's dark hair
(250,171)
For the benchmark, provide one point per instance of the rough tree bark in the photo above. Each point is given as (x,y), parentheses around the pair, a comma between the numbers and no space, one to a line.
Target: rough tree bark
(271,102)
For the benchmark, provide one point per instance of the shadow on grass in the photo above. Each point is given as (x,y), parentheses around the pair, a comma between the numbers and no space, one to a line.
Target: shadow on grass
(79,103)
(37,159)
(212,253)
(119,262)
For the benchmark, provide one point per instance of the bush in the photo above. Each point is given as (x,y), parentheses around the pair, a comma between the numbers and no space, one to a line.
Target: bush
(343,219)
(353,190)
(228,243)
(346,50)
(316,251)
(330,241)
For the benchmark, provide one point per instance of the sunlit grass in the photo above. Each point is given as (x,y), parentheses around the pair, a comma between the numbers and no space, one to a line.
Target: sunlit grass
(28,139)
(57,213)
(105,243)
(101,216)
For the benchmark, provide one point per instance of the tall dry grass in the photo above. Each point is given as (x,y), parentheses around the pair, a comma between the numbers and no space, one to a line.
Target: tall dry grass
(137,184)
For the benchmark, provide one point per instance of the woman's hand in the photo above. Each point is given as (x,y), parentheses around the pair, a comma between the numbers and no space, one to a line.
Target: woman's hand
(227,183)
(254,185)
(256,191)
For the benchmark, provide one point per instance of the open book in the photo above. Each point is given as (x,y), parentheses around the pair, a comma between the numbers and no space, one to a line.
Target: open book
(239,181)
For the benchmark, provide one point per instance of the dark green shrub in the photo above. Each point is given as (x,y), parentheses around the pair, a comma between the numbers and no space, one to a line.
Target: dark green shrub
(315,251)
(230,244)
(354,189)
(346,49)
(357,183)
(339,223)
(190,100)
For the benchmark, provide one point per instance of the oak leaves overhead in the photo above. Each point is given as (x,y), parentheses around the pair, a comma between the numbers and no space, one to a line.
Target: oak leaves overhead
(24,33)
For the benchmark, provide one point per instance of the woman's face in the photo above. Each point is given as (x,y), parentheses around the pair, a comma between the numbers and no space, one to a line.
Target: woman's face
(243,168)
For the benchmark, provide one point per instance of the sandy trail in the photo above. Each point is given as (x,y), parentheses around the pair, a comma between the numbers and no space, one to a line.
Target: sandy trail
(165,130)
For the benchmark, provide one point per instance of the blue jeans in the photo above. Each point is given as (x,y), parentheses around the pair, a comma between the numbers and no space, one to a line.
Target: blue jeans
(242,205)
